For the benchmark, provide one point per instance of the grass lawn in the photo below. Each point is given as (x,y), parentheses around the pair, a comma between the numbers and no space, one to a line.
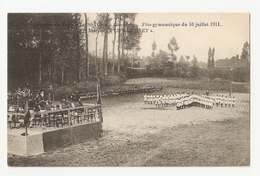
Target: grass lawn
(136,134)
(224,143)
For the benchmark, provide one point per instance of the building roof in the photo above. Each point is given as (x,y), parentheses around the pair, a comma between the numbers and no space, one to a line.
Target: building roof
(233,62)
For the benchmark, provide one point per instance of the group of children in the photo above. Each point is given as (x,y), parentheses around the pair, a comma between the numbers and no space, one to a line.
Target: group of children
(185,100)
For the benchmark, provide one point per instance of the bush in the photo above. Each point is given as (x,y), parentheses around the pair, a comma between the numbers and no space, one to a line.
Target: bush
(168,72)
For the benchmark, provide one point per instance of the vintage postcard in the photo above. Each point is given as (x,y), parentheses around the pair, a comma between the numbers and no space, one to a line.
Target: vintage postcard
(128,89)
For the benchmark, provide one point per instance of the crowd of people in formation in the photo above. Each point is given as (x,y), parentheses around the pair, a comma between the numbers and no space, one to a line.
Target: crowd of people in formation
(115,92)
(186,100)
(225,101)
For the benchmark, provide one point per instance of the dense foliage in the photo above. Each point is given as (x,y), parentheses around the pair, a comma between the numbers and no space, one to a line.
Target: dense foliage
(166,64)
(53,48)
(46,49)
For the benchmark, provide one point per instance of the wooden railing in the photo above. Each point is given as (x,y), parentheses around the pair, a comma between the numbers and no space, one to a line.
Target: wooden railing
(84,112)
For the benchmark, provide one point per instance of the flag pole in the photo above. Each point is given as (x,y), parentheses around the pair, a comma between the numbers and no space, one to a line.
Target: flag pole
(26,110)
(99,98)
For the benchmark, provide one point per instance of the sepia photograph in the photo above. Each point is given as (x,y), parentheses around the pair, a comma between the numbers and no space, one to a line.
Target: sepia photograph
(128,89)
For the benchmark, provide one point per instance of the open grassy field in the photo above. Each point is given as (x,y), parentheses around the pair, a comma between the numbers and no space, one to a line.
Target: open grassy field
(138,134)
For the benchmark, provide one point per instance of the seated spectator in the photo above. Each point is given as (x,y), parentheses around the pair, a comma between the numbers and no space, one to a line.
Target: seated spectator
(80,103)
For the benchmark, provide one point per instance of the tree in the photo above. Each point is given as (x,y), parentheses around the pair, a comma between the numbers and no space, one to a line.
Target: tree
(62,46)
(154,46)
(86,36)
(173,46)
(182,66)
(194,69)
(107,30)
(104,26)
(23,40)
(194,61)
(138,48)
(96,29)
(182,60)
(246,51)
(114,41)
(119,42)
(211,61)
(127,18)
(187,57)
(132,38)
(49,44)
(78,38)
(124,16)
(161,60)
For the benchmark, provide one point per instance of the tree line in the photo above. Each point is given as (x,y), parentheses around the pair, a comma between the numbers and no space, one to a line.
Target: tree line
(53,47)
(167,64)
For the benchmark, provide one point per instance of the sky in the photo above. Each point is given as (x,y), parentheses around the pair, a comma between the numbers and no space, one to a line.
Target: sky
(227,37)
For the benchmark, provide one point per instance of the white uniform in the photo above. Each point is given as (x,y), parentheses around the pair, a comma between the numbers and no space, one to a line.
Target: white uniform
(153,97)
(150,99)
(229,102)
(226,101)
(167,100)
(221,101)
(170,100)
(217,100)
(178,105)
(145,99)
(156,99)
(160,100)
